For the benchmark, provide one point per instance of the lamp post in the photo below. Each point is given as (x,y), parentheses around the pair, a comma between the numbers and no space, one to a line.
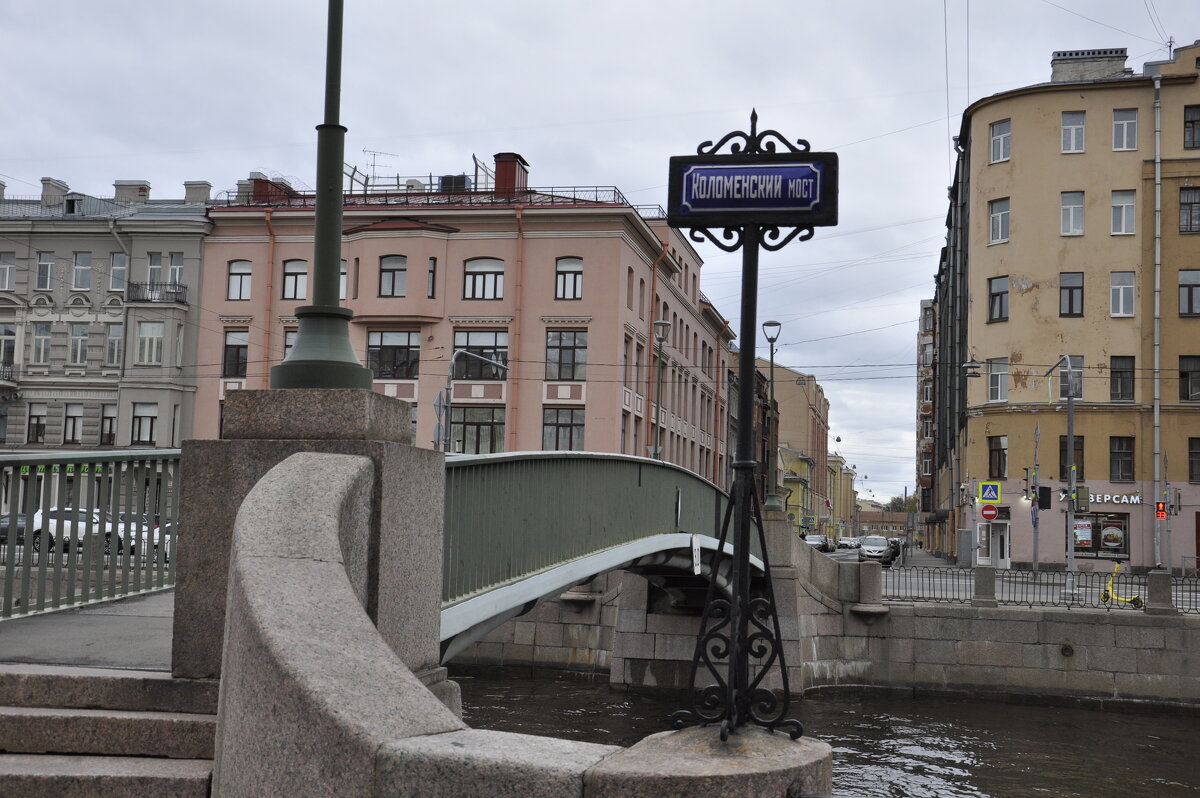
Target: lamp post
(771,331)
(662,328)
(1069,589)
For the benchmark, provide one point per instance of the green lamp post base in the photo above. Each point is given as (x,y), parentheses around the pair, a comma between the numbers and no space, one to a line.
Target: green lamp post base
(322,356)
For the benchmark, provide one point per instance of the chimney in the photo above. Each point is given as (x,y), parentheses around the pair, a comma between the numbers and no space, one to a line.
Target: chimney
(512,172)
(53,191)
(197,191)
(1073,65)
(131,191)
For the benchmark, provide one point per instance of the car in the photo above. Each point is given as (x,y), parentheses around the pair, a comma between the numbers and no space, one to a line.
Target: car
(875,548)
(69,523)
(848,542)
(4,523)
(819,542)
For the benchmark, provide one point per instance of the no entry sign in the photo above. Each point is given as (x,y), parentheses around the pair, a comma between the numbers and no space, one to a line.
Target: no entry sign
(989,512)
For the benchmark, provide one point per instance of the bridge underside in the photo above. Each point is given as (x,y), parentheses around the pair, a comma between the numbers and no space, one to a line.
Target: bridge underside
(677,561)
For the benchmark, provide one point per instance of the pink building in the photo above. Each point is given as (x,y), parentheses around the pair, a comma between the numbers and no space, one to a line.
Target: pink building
(544,299)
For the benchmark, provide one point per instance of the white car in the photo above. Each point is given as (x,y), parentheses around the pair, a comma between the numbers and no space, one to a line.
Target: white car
(60,526)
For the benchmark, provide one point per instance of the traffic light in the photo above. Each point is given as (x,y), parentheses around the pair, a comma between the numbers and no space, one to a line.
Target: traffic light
(1160,511)
(1083,499)
(1044,497)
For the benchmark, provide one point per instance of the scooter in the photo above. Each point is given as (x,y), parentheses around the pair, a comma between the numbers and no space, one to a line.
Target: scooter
(1108,595)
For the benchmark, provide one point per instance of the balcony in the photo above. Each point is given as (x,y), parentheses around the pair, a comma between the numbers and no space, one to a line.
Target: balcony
(157,292)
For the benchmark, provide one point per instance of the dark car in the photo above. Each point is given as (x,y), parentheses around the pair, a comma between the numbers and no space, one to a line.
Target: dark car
(876,548)
(5,520)
(819,542)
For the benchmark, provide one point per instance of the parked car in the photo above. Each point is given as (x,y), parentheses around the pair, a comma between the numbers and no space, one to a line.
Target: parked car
(848,542)
(4,522)
(819,542)
(63,526)
(876,548)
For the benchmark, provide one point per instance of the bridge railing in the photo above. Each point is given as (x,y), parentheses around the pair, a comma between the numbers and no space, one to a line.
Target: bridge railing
(86,526)
(512,515)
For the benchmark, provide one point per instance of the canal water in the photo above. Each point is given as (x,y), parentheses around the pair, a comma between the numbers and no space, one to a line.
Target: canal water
(887,747)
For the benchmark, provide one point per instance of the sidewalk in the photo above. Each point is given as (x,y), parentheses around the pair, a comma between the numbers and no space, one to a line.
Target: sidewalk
(131,633)
(920,558)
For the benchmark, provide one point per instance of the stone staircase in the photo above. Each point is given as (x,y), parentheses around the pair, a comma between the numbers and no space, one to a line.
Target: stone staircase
(103,733)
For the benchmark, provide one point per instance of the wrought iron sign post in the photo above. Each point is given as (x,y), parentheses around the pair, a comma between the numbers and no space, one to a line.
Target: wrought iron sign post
(750,193)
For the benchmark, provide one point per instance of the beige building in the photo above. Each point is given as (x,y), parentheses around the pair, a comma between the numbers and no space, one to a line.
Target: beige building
(542,302)
(1074,229)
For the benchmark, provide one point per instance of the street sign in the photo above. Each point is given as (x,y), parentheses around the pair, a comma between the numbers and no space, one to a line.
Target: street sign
(787,189)
(989,512)
(989,492)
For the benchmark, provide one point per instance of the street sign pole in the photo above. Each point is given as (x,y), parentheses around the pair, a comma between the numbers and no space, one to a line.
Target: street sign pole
(749,193)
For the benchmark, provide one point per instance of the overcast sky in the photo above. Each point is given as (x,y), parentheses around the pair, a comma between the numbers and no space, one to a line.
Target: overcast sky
(590,93)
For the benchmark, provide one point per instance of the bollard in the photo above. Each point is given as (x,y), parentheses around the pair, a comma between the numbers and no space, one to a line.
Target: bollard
(984,594)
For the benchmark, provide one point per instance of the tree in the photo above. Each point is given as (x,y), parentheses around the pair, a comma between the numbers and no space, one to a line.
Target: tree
(897,504)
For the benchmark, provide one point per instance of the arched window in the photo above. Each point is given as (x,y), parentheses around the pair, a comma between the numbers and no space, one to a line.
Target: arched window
(295,279)
(568,278)
(483,278)
(393,275)
(240,272)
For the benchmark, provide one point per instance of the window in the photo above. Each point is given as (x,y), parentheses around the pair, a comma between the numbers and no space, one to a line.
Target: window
(568,278)
(1191,127)
(1120,459)
(998,221)
(1072,381)
(486,344)
(395,355)
(1070,293)
(145,416)
(240,274)
(476,430)
(1189,292)
(1121,288)
(114,344)
(1001,140)
(1107,537)
(1071,203)
(393,275)
(927,428)
(150,342)
(237,349)
(77,354)
(431,279)
(1122,213)
(8,349)
(175,274)
(37,422)
(73,424)
(483,278)
(154,267)
(1072,131)
(562,429)
(997,456)
(927,391)
(108,425)
(566,355)
(8,267)
(1189,378)
(118,271)
(1121,379)
(1125,129)
(81,275)
(295,279)
(998,299)
(1189,210)
(41,342)
(45,271)
(1062,458)
(342,279)
(998,379)
(289,340)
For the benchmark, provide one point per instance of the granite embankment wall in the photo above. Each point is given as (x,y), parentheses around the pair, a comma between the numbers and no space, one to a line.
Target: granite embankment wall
(838,634)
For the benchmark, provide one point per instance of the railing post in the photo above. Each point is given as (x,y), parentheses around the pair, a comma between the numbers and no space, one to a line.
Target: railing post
(1160,601)
(984,594)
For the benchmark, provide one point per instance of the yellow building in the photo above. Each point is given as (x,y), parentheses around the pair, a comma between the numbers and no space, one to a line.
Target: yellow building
(1071,266)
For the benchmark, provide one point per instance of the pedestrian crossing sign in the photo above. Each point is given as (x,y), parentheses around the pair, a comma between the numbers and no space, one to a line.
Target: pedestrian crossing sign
(989,492)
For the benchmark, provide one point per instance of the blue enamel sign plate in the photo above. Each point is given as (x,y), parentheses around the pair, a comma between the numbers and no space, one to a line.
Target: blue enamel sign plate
(785,189)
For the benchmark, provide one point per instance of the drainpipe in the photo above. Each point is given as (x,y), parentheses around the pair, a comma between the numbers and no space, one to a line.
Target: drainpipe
(650,337)
(112,228)
(270,287)
(514,359)
(1158,475)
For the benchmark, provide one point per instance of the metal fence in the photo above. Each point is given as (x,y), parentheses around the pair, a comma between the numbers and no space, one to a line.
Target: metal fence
(86,527)
(1185,593)
(948,585)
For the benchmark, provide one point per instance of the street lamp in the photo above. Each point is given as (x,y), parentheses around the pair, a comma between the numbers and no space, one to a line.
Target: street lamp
(1069,590)
(771,331)
(662,328)
(448,405)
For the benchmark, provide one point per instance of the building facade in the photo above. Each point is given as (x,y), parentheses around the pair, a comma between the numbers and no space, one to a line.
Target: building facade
(1071,272)
(803,440)
(98,316)
(522,319)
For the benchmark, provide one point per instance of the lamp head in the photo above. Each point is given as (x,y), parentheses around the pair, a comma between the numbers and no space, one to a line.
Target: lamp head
(771,330)
(972,367)
(662,328)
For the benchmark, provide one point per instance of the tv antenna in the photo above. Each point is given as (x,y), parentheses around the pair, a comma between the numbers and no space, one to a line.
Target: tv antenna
(373,155)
